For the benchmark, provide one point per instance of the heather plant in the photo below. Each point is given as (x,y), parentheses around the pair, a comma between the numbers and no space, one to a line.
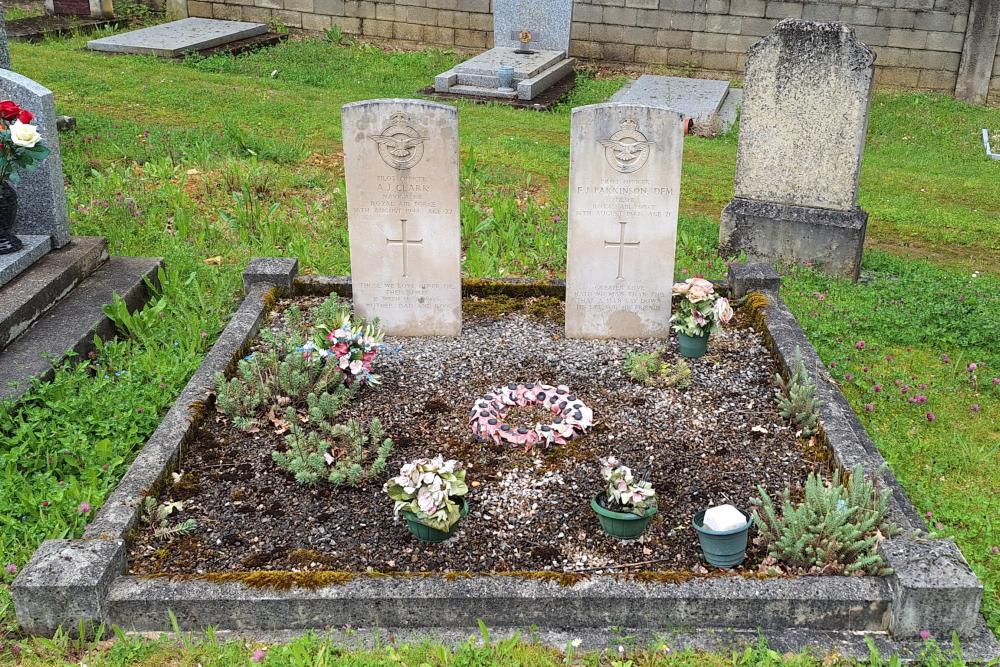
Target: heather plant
(430,489)
(156,516)
(296,369)
(351,455)
(796,397)
(651,370)
(358,441)
(623,493)
(835,528)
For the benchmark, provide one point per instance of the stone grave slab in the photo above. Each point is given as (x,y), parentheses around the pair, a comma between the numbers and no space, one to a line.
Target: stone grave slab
(624,191)
(401,164)
(698,99)
(41,195)
(178,37)
(806,96)
(482,69)
(14,263)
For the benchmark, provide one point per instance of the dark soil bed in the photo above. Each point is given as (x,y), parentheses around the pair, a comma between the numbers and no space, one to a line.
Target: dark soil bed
(709,444)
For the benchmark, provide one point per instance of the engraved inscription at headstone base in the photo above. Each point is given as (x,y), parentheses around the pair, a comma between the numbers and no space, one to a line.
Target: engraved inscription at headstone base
(624,189)
(401,166)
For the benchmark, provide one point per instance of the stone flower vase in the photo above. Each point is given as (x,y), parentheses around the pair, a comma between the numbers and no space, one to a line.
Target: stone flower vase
(505,76)
(623,525)
(8,215)
(425,533)
(725,548)
(692,347)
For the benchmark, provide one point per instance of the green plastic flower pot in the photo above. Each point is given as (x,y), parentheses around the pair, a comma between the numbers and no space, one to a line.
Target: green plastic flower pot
(623,525)
(692,347)
(425,533)
(725,548)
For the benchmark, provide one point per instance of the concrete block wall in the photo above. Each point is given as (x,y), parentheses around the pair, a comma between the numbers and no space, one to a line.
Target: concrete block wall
(919,42)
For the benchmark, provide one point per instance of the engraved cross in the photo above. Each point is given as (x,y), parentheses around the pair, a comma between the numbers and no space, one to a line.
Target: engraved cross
(621,245)
(403,241)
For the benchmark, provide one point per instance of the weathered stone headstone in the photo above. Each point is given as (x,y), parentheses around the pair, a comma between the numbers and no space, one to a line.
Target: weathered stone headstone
(807,90)
(401,164)
(624,189)
(41,195)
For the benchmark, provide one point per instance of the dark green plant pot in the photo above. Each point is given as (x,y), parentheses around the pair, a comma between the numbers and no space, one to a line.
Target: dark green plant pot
(425,533)
(692,347)
(623,525)
(726,548)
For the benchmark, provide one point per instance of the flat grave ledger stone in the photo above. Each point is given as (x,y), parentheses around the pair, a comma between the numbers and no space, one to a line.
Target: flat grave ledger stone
(401,164)
(178,37)
(709,103)
(41,195)
(807,91)
(624,191)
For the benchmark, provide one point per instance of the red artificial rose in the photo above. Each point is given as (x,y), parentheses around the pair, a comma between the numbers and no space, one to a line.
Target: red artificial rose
(9,110)
(25,116)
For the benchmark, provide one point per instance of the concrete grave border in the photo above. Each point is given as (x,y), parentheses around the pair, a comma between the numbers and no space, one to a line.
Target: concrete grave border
(932,589)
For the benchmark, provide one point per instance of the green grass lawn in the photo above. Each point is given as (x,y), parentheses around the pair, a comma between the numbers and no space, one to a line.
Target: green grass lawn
(212,161)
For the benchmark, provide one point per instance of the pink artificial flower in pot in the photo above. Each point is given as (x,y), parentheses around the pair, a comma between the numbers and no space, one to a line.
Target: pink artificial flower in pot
(701,312)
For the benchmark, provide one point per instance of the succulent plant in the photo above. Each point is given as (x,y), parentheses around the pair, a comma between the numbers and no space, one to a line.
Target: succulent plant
(429,489)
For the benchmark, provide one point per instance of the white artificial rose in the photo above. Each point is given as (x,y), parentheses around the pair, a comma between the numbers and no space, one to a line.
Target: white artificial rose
(24,134)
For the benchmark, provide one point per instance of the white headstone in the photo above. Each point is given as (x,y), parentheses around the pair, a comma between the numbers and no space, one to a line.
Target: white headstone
(401,164)
(624,188)
(41,195)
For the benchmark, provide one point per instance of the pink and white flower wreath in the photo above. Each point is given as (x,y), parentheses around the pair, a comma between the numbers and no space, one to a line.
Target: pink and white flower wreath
(573,417)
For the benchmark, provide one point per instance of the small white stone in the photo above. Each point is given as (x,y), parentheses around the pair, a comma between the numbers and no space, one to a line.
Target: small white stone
(724,517)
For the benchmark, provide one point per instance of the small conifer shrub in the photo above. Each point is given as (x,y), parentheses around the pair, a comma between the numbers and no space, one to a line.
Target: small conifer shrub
(351,455)
(299,382)
(835,528)
(796,397)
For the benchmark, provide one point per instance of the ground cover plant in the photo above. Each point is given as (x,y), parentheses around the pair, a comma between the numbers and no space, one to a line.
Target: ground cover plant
(216,183)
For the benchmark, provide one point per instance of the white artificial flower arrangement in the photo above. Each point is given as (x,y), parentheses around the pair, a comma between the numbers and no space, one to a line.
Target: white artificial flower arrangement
(430,490)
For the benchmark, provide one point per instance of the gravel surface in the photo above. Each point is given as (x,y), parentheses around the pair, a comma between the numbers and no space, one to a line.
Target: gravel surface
(709,444)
